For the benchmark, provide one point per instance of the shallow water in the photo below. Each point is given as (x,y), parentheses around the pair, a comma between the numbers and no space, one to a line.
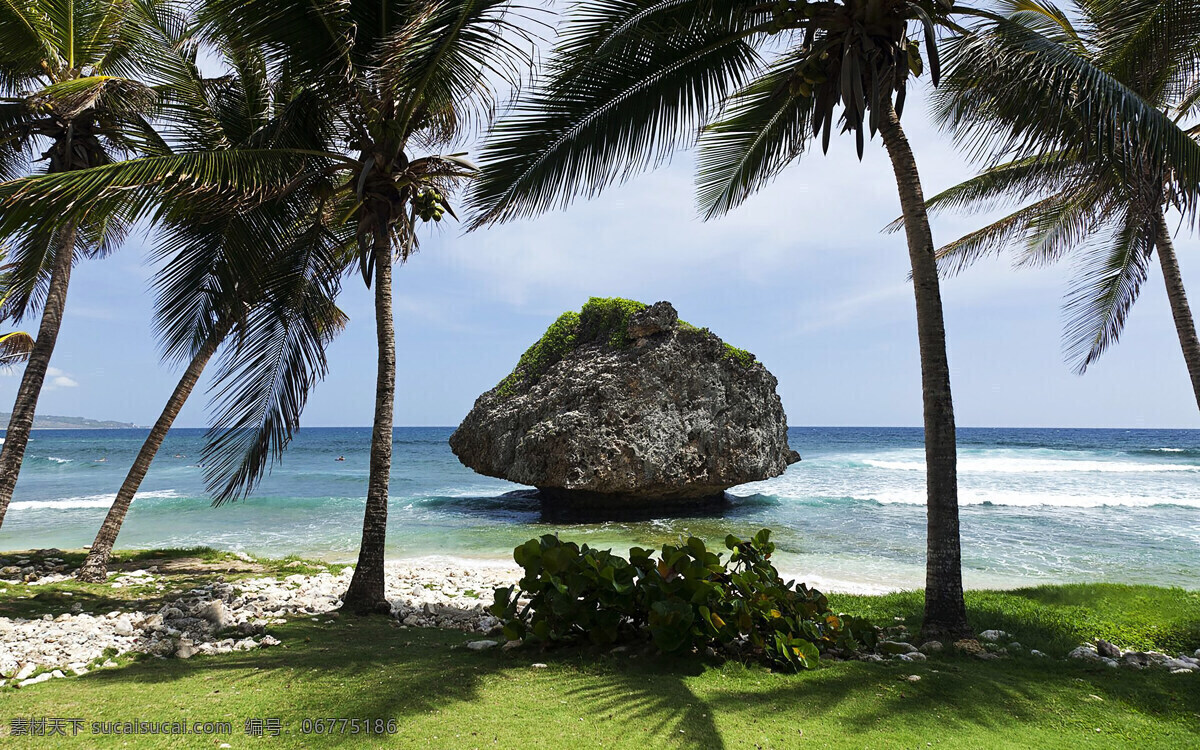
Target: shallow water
(1038,505)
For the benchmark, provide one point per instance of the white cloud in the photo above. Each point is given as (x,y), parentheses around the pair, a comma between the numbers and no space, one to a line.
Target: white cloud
(58,379)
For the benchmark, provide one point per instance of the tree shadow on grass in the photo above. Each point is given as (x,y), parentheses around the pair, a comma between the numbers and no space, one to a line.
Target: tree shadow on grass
(366,668)
(369,669)
(963,694)
(652,696)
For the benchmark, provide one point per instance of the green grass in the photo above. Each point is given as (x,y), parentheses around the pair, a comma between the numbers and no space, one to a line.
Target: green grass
(1056,619)
(444,696)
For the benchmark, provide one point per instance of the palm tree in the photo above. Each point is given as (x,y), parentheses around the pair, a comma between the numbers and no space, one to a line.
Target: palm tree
(69,89)
(630,80)
(1080,195)
(400,81)
(225,276)
(390,85)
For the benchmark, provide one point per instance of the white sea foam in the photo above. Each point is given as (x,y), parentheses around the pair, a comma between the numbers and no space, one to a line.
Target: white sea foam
(1007,465)
(58,460)
(1021,498)
(1168,450)
(87,501)
(911,491)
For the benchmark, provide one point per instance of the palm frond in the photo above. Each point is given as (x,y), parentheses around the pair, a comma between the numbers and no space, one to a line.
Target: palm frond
(445,62)
(1048,20)
(596,119)
(1013,92)
(1064,226)
(1150,44)
(14,348)
(765,128)
(993,239)
(264,379)
(315,37)
(16,148)
(1107,284)
(25,37)
(1004,185)
(139,185)
(72,97)
(30,255)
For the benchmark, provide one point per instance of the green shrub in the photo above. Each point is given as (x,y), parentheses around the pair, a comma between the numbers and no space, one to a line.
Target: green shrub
(688,598)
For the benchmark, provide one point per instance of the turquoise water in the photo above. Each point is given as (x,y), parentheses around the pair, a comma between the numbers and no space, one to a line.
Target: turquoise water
(1037,505)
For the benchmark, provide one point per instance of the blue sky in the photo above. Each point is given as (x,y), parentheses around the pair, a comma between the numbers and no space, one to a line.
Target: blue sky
(800,275)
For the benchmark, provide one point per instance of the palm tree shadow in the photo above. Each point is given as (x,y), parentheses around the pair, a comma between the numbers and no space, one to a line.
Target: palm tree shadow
(962,693)
(654,698)
(412,671)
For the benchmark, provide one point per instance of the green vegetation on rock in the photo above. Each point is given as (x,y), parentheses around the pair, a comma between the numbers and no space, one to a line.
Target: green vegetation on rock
(606,320)
(559,339)
(741,356)
(602,320)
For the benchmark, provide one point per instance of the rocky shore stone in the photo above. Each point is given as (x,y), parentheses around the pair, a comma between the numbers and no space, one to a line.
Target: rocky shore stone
(428,593)
(624,406)
(896,647)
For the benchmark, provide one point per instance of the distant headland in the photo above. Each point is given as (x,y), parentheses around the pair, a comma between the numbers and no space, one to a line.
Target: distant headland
(53,422)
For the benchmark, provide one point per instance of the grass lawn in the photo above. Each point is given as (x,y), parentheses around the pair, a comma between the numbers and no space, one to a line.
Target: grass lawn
(444,696)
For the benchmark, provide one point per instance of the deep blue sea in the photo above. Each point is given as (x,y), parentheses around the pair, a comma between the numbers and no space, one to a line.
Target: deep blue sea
(1038,505)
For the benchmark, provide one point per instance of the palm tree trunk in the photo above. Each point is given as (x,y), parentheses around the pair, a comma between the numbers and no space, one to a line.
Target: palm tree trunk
(1179,304)
(366,592)
(945,613)
(95,567)
(16,437)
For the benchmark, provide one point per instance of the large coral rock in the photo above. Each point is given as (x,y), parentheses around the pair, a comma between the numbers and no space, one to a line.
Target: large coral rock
(624,405)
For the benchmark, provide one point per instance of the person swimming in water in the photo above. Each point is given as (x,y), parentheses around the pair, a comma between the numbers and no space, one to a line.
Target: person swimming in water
(340,458)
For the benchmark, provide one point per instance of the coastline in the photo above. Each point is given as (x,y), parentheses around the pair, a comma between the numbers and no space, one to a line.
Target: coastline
(433,565)
(837,579)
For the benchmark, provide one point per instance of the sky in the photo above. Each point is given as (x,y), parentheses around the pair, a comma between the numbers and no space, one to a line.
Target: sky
(801,275)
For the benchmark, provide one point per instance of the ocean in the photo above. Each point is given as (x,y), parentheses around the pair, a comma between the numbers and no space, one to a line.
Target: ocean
(1037,505)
